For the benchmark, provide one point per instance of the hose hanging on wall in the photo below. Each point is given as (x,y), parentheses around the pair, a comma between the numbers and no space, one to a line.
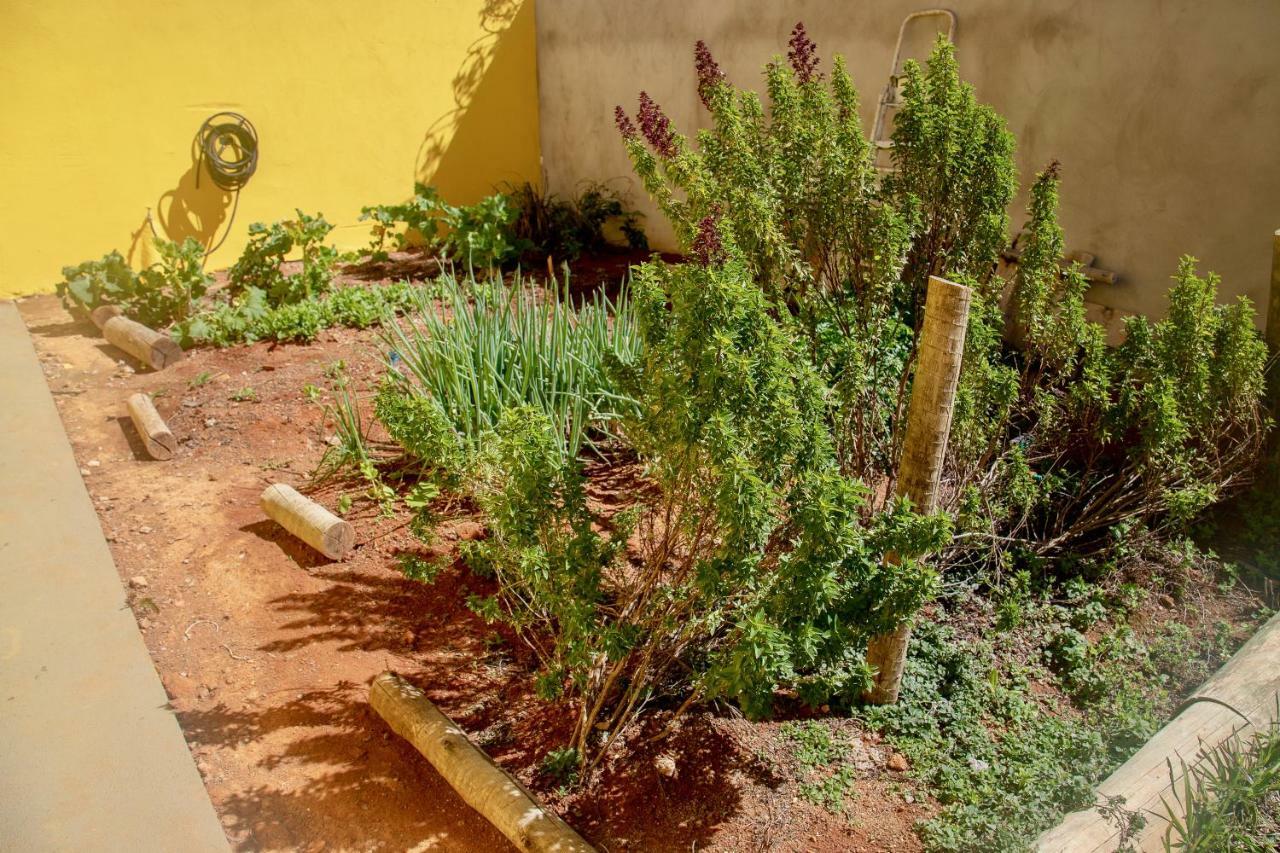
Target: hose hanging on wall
(228,147)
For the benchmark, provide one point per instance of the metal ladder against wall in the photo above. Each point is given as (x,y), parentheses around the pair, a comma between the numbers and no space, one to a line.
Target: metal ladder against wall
(891,97)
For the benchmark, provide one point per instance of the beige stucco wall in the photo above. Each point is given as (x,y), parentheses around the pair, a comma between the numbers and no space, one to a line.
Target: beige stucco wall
(1165,115)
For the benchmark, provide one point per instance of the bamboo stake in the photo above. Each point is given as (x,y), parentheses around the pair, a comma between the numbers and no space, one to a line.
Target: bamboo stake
(159,441)
(146,345)
(924,449)
(308,521)
(483,785)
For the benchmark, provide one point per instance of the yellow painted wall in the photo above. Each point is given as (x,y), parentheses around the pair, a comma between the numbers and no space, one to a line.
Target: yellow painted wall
(100,101)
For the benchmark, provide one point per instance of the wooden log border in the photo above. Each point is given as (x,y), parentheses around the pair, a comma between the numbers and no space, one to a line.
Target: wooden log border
(1238,699)
(308,521)
(148,346)
(483,785)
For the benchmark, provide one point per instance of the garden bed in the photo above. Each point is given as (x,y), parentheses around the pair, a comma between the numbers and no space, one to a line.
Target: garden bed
(266,649)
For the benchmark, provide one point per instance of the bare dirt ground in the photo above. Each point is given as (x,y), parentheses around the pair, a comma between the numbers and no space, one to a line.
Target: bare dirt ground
(267,650)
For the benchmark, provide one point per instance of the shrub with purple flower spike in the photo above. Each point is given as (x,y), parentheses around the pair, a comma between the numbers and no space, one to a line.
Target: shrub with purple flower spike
(707,246)
(803,55)
(624,123)
(709,73)
(656,127)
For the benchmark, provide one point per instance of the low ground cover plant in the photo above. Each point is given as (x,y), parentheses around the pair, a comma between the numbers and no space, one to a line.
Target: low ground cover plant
(272,298)
(249,318)
(268,298)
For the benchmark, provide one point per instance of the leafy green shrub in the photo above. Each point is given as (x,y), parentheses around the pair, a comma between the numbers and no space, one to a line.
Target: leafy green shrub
(566,227)
(164,292)
(482,235)
(419,217)
(485,349)
(259,266)
(1055,443)
(753,567)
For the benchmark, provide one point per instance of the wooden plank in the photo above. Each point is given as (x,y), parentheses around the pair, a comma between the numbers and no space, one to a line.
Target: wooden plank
(103,313)
(1239,699)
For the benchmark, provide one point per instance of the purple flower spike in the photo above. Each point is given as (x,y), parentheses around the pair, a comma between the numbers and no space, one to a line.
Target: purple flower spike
(803,54)
(656,127)
(707,246)
(709,73)
(625,126)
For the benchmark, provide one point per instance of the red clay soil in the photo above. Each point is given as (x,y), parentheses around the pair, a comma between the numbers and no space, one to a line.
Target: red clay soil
(267,650)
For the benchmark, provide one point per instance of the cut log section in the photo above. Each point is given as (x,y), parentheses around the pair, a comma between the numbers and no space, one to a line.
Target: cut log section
(103,313)
(308,521)
(156,436)
(146,345)
(484,786)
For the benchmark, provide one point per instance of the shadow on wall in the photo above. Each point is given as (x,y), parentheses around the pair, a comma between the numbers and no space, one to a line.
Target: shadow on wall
(196,207)
(494,95)
(490,90)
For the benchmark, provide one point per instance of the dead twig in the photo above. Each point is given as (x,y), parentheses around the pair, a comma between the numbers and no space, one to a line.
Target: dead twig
(186,635)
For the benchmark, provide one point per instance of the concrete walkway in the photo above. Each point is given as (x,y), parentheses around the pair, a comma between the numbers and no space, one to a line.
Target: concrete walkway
(90,756)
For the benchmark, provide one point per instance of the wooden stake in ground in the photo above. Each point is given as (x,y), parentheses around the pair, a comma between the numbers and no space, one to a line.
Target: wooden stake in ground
(924,449)
(309,521)
(1273,313)
(159,441)
(484,786)
(146,345)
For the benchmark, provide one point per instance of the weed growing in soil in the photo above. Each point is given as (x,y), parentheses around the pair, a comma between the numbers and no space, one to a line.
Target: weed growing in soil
(828,780)
(412,223)
(1231,800)
(564,228)
(260,266)
(499,229)
(480,236)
